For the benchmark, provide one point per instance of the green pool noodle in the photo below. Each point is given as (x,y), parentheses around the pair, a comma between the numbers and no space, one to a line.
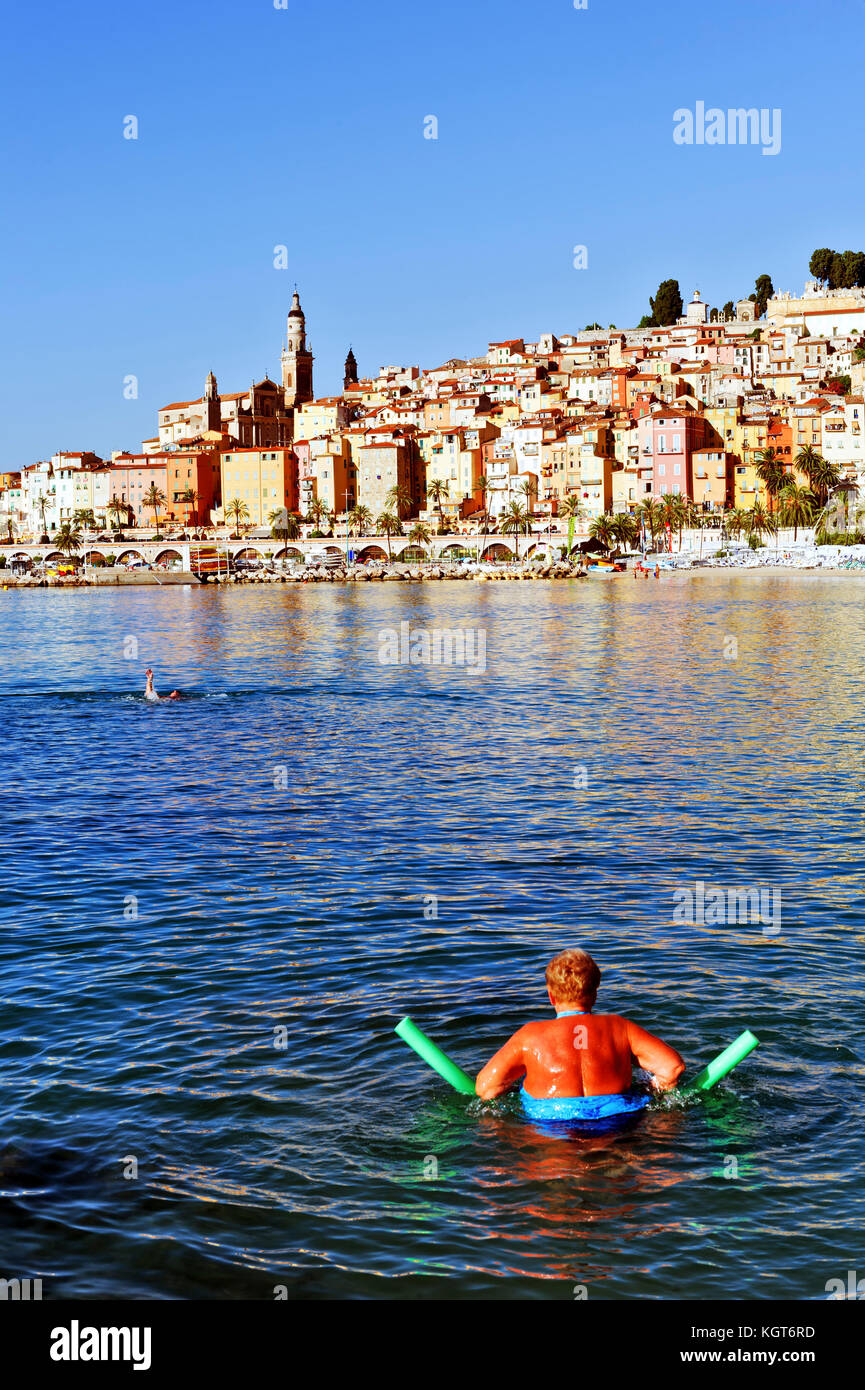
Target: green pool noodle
(724,1062)
(434,1057)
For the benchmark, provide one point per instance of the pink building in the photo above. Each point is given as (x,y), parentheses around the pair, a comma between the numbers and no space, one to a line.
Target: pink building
(667,439)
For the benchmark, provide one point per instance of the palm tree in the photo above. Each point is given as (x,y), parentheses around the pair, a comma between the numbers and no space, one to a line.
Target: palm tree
(797,507)
(153,499)
(571,508)
(483,486)
(529,490)
(514,520)
(737,522)
(67,539)
(436,491)
(284,525)
(190,498)
(771,472)
(359,518)
(84,517)
(758,521)
(10,528)
(420,533)
(317,512)
(399,499)
(669,506)
(625,528)
(116,509)
(603,529)
(822,476)
(389,524)
(42,504)
(238,510)
(651,514)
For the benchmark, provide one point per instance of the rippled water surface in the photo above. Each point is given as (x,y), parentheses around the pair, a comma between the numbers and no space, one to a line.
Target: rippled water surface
(212,914)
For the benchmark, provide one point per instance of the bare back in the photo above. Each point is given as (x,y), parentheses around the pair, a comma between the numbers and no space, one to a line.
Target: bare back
(578,1055)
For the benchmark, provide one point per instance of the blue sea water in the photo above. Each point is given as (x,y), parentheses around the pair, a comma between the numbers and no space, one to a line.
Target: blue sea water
(213,913)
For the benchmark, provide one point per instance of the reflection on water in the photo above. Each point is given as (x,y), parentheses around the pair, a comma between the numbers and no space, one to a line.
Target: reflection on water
(213,913)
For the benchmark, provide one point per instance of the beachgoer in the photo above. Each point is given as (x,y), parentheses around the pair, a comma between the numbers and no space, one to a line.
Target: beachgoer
(578,1053)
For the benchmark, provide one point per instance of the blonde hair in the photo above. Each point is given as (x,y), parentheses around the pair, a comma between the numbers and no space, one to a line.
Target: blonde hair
(572,977)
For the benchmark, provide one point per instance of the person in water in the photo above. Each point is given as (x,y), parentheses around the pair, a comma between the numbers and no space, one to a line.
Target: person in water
(567,1062)
(150,693)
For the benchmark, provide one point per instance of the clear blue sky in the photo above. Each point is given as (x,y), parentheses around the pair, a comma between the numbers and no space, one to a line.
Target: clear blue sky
(304,126)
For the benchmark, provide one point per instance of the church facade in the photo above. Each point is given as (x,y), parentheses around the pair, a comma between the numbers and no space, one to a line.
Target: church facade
(262,417)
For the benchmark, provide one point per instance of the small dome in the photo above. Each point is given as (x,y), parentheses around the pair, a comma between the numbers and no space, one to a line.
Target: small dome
(295,311)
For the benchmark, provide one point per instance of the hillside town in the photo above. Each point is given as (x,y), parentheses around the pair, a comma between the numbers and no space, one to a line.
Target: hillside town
(733,414)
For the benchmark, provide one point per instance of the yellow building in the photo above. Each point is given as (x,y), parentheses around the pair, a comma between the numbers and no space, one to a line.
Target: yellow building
(324,416)
(454,458)
(264,479)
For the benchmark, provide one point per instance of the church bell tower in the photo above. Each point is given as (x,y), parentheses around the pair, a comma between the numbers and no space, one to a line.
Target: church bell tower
(296,358)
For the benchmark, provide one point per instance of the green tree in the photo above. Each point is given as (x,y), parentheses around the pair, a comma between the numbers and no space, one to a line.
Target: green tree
(237,511)
(190,498)
(436,492)
(420,533)
(822,476)
(797,506)
(317,512)
(837,271)
(84,517)
(771,472)
(625,529)
(529,490)
(67,539)
(647,322)
(285,526)
(514,520)
(117,509)
(839,384)
(359,519)
(603,529)
(667,303)
(758,521)
(728,310)
(153,499)
(399,500)
(820,264)
(388,524)
(483,486)
(764,291)
(651,514)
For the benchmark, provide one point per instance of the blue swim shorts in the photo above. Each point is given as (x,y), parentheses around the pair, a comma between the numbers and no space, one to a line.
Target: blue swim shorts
(583,1107)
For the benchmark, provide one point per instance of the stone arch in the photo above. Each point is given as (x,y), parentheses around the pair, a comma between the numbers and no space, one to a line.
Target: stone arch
(290,553)
(168,554)
(455,551)
(248,552)
(498,551)
(94,557)
(127,556)
(372,552)
(412,554)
